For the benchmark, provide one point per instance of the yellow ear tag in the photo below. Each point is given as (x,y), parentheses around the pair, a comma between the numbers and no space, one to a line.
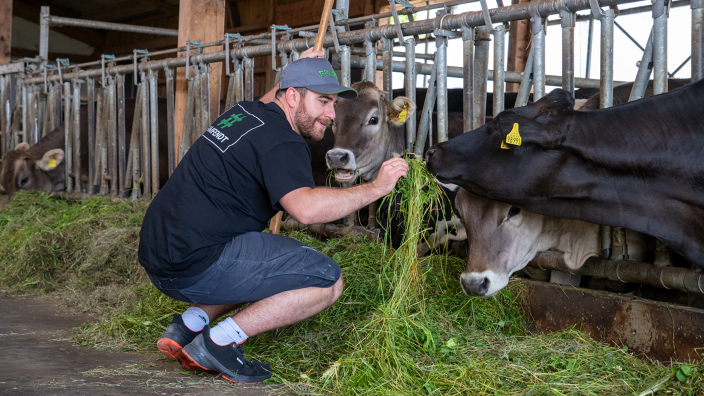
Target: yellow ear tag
(402,114)
(514,138)
(504,146)
(52,163)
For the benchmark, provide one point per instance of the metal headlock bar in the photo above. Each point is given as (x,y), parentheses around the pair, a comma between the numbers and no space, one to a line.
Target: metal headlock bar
(450,22)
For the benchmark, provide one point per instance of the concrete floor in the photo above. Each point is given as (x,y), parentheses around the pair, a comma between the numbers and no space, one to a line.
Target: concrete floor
(39,361)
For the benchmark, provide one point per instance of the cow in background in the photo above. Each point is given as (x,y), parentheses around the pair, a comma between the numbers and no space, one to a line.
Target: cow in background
(22,168)
(39,167)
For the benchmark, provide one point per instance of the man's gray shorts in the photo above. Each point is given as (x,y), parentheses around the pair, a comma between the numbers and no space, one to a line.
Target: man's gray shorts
(252,267)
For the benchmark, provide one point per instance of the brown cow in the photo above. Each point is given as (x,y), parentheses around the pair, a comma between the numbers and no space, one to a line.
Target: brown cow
(39,167)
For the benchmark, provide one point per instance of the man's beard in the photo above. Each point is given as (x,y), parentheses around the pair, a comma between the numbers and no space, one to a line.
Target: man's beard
(306,123)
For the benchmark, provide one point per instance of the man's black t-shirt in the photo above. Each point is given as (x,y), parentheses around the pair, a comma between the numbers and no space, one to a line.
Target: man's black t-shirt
(229,183)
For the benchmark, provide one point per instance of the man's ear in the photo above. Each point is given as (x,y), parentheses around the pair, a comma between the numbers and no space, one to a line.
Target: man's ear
(400,109)
(516,131)
(22,147)
(51,159)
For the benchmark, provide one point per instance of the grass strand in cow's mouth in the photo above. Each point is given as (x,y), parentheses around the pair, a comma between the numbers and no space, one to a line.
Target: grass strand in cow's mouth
(345,175)
(84,254)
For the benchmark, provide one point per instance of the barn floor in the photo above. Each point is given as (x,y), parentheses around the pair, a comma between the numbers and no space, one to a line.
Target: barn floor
(40,361)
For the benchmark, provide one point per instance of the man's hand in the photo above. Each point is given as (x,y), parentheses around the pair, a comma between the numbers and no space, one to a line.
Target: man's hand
(310,53)
(389,173)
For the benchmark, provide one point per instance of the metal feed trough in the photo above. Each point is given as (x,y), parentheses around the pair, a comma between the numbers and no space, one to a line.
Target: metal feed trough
(46,92)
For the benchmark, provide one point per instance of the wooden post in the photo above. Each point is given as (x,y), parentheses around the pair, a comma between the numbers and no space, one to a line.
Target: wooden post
(5,30)
(204,21)
(519,41)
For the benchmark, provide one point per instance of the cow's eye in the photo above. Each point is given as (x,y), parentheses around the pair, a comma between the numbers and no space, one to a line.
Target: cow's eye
(512,212)
(24,181)
(373,120)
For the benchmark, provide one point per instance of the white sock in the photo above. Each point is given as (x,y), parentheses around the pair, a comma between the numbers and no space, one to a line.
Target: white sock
(195,318)
(227,332)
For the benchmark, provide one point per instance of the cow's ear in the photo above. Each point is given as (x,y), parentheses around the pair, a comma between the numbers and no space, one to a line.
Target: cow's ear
(557,103)
(51,159)
(22,147)
(400,109)
(516,130)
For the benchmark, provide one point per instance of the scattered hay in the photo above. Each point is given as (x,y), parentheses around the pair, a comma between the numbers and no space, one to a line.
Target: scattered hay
(449,344)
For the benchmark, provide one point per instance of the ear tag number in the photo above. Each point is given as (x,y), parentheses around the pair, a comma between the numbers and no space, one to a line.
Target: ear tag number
(514,138)
(504,146)
(402,114)
(52,163)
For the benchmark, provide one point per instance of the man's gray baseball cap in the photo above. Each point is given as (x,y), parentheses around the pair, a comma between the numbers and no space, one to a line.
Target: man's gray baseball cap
(315,74)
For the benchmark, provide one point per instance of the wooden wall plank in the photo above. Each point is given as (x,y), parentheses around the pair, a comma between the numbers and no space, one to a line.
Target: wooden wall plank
(204,21)
(519,42)
(5,30)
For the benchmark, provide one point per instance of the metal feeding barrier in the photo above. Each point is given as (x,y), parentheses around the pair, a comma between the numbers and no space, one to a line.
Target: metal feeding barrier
(37,95)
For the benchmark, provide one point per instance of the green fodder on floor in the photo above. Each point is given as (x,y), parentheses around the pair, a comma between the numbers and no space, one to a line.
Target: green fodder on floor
(85,252)
(46,242)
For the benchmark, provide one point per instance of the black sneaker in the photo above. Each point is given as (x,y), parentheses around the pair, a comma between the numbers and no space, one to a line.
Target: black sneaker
(177,336)
(228,360)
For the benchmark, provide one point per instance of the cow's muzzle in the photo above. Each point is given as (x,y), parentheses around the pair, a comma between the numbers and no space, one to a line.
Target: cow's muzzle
(344,164)
(475,286)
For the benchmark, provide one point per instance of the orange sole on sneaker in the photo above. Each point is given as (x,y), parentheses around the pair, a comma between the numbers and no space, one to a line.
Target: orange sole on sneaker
(237,382)
(173,350)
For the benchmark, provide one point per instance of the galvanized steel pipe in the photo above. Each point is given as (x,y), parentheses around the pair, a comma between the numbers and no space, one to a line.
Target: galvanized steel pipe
(626,271)
(481,74)
(568,22)
(499,85)
(643,76)
(472,18)
(54,20)
(68,146)
(154,131)
(76,135)
(659,47)
(410,85)
(697,40)
(146,151)
(606,91)
(441,65)
(170,120)
(467,78)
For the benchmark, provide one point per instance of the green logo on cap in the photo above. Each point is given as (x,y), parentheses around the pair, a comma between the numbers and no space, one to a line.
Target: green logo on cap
(324,73)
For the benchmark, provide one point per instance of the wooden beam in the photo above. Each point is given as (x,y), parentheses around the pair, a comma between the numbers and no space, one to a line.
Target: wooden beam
(519,42)
(92,37)
(5,30)
(204,21)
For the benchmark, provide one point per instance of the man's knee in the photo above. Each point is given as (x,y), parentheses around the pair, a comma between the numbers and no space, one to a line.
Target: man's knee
(336,290)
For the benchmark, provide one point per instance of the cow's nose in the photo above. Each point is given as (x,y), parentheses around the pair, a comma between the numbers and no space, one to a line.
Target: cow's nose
(475,287)
(429,154)
(338,158)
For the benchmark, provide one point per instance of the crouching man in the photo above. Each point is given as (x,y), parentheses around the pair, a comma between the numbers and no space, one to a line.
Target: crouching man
(201,241)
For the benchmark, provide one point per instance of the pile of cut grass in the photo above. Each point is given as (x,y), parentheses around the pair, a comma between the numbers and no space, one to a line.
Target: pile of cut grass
(455,345)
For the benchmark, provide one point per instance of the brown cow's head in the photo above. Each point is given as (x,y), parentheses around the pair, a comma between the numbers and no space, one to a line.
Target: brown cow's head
(368,130)
(25,169)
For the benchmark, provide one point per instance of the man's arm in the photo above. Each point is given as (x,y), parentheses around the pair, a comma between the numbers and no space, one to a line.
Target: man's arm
(321,205)
(309,53)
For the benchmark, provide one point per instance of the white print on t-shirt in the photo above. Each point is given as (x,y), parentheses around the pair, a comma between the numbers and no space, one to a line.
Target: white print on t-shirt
(235,123)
